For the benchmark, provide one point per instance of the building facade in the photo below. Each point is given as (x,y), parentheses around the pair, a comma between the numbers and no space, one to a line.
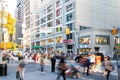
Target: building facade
(19,14)
(90,24)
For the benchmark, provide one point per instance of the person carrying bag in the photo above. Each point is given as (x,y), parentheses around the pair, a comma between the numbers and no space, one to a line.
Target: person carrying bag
(108,67)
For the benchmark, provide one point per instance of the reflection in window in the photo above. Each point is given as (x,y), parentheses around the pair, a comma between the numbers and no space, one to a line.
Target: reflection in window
(42,34)
(66,0)
(69,17)
(58,21)
(102,39)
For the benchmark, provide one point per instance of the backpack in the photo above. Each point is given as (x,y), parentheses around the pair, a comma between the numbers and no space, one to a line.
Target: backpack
(22,64)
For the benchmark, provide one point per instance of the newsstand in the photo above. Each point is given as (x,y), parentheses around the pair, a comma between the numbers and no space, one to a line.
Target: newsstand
(3,69)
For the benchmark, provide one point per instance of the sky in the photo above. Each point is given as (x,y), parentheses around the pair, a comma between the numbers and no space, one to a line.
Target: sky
(11,6)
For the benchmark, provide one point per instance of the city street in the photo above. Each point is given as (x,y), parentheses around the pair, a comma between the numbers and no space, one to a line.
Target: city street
(32,72)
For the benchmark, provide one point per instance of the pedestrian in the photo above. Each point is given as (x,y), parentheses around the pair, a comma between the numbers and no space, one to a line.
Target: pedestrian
(108,67)
(53,62)
(21,69)
(62,67)
(42,62)
(88,64)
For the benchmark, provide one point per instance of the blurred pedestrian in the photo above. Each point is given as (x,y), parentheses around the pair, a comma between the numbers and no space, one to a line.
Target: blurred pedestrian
(21,69)
(62,67)
(42,62)
(108,67)
(53,62)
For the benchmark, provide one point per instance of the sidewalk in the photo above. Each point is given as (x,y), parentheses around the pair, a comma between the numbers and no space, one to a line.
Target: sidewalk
(32,73)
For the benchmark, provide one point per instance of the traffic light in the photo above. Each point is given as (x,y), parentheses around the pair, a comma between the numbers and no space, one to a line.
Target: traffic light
(114,31)
(67,31)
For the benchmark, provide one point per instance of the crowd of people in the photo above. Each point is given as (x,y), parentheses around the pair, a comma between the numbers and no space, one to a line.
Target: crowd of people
(90,62)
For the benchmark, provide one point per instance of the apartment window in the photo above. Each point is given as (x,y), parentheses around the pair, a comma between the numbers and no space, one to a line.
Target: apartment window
(70,36)
(49,9)
(69,7)
(57,3)
(43,20)
(58,21)
(71,26)
(102,39)
(49,24)
(58,12)
(49,17)
(69,17)
(43,12)
(58,29)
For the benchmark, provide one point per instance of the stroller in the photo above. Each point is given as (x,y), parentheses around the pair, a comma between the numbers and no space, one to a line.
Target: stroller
(72,71)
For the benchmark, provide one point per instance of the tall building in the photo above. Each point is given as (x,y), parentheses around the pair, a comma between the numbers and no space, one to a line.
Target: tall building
(19,16)
(90,23)
(30,15)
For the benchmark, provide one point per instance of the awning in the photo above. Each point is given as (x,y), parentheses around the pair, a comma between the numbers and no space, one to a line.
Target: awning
(36,47)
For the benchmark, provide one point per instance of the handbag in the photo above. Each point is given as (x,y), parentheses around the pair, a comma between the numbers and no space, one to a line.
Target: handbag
(17,75)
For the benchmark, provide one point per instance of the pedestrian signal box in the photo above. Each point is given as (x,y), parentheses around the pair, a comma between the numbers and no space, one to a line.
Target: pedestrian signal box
(114,31)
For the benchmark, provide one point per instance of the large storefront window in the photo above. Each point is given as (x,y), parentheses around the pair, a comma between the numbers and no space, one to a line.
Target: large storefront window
(69,17)
(117,40)
(102,39)
(84,40)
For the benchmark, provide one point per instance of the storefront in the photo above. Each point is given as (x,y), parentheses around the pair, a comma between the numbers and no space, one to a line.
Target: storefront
(84,44)
(59,44)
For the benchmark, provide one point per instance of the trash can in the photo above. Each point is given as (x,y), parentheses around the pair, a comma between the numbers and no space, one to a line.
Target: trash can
(3,69)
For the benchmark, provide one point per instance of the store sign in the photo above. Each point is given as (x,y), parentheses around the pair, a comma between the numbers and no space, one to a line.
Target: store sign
(68,41)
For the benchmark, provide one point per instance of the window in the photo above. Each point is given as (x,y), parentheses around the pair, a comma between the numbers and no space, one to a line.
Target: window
(58,29)
(102,39)
(43,20)
(49,9)
(58,12)
(69,17)
(43,34)
(49,17)
(71,26)
(84,40)
(58,21)
(69,7)
(66,1)
(49,24)
(70,36)
(57,4)
(43,12)
(84,27)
